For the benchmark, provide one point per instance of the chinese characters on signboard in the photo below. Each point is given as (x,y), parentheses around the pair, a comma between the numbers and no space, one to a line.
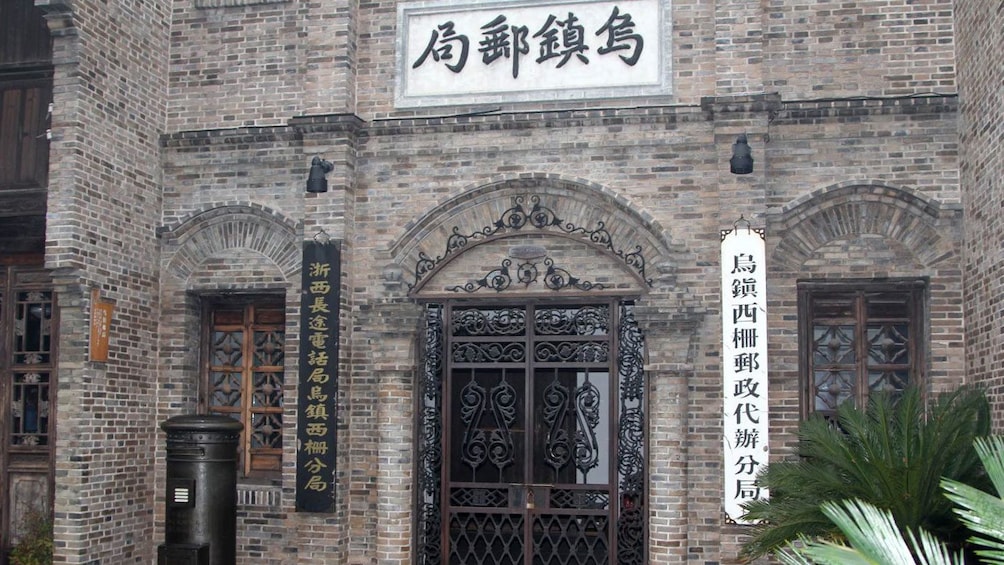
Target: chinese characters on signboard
(528,50)
(744,366)
(101,321)
(317,406)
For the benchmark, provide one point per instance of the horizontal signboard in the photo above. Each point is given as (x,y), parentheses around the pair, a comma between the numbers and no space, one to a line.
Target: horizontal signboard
(451,52)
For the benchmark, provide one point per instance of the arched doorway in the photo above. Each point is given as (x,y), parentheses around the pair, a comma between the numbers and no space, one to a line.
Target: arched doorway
(531,399)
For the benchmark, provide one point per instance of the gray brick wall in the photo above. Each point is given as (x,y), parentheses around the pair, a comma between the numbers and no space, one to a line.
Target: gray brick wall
(850,110)
(111,80)
(979,26)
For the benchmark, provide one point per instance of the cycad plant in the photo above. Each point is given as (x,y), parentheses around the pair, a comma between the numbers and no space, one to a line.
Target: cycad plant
(981,512)
(874,538)
(892,455)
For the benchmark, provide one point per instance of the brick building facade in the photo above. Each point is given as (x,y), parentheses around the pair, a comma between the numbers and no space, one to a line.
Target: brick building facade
(979,33)
(180,138)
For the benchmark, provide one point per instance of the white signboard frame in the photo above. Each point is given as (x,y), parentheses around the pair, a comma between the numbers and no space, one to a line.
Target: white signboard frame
(452,52)
(744,366)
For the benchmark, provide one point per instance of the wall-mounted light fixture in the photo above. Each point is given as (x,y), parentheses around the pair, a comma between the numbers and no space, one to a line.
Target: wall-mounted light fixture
(316,181)
(741,162)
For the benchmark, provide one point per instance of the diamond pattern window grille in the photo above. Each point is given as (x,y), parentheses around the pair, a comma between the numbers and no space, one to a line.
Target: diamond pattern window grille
(245,349)
(859,338)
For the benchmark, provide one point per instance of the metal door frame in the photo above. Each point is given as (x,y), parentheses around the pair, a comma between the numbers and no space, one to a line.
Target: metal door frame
(627,526)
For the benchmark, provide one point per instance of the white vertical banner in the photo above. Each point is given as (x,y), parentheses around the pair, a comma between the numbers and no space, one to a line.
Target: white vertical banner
(744,365)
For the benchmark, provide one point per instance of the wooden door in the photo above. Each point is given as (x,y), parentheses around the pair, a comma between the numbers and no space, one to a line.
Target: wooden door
(28,323)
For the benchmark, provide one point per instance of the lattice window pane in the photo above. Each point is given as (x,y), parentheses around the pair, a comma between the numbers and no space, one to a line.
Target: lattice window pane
(244,377)
(889,344)
(832,388)
(30,409)
(862,339)
(833,344)
(268,348)
(32,328)
(267,390)
(266,431)
(891,382)
(228,348)
(225,389)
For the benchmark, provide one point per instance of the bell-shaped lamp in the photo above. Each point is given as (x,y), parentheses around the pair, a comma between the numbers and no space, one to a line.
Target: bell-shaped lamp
(315,180)
(741,162)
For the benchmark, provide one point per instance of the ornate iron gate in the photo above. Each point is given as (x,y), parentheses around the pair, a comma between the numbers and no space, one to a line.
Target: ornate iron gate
(531,446)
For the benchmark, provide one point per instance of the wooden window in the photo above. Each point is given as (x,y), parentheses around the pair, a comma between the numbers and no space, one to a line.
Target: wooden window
(859,338)
(244,352)
(25,94)
(24,146)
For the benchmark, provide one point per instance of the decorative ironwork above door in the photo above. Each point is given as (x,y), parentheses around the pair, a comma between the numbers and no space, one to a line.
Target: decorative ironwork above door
(528,273)
(531,435)
(541,218)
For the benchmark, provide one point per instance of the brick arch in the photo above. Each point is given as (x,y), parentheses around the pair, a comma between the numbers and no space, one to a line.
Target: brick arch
(567,208)
(854,208)
(215,232)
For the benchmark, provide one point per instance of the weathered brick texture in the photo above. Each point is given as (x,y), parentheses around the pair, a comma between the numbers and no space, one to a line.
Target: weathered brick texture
(183,135)
(981,131)
(109,109)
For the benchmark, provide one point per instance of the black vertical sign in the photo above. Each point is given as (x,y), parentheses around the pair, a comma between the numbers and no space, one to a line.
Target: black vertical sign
(317,405)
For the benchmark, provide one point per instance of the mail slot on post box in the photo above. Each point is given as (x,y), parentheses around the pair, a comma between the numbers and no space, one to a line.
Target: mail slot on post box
(201,497)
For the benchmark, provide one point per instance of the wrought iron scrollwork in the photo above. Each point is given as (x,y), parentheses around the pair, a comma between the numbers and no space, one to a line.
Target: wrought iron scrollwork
(569,351)
(517,218)
(587,410)
(631,441)
(488,352)
(475,445)
(500,279)
(496,445)
(557,447)
(500,445)
(485,522)
(497,279)
(558,450)
(557,278)
(429,464)
(583,321)
(490,321)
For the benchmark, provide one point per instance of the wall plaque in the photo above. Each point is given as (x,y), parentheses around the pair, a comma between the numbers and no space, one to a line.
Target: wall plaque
(317,404)
(744,366)
(101,321)
(451,52)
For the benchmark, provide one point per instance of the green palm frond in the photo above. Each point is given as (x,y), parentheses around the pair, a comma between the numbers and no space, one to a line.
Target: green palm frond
(980,511)
(891,455)
(874,539)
